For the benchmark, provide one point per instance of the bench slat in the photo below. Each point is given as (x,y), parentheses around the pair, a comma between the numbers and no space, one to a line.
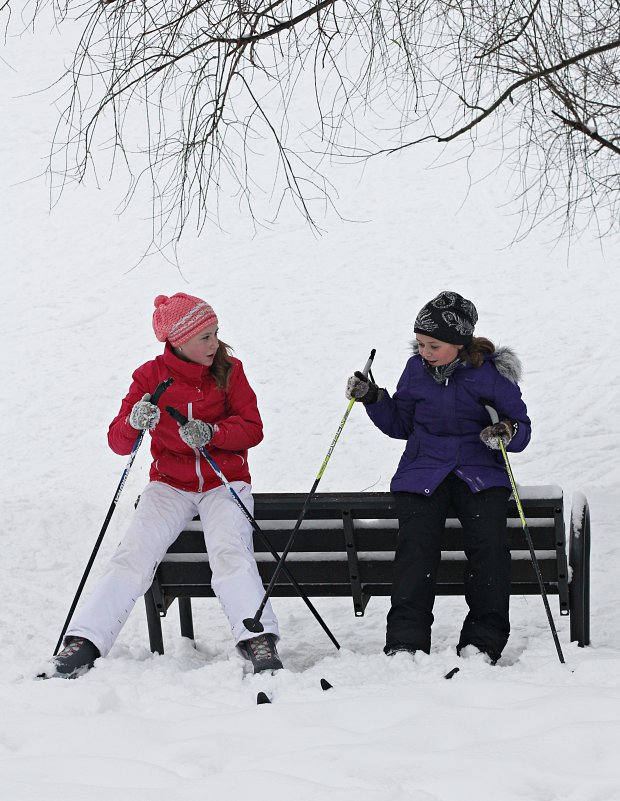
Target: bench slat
(366,539)
(307,572)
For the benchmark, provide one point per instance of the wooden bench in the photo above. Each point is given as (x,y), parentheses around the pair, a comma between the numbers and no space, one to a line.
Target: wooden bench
(345,548)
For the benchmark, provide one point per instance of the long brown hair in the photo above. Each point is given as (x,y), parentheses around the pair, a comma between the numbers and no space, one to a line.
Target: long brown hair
(474,352)
(222,365)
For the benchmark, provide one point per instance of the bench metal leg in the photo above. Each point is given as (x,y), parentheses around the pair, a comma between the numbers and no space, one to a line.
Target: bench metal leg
(579,556)
(153,621)
(360,599)
(186,618)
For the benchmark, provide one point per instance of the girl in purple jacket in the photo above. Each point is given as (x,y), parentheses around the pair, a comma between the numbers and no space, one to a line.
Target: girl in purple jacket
(452,459)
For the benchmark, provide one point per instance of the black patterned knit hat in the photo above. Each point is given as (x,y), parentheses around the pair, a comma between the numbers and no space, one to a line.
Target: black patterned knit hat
(449,318)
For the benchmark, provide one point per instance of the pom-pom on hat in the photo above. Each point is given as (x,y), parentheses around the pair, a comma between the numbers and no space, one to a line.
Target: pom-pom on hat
(449,318)
(179,317)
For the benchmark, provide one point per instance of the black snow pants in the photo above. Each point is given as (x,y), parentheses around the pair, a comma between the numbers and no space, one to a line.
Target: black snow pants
(418,554)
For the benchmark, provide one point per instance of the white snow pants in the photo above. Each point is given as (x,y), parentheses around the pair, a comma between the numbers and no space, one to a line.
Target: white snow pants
(163,512)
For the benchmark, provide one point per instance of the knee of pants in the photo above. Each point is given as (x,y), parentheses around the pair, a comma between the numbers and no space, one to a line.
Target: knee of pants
(133,566)
(488,553)
(131,554)
(230,559)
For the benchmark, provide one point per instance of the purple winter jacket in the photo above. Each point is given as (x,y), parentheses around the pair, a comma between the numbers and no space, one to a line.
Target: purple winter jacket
(442,423)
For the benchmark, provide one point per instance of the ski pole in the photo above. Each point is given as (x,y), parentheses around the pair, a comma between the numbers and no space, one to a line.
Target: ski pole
(253,623)
(154,398)
(495,419)
(181,420)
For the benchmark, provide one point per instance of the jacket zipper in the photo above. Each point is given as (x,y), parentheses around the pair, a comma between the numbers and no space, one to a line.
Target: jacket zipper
(197,453)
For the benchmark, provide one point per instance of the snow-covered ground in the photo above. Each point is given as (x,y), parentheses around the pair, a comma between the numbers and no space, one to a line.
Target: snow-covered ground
(302,312)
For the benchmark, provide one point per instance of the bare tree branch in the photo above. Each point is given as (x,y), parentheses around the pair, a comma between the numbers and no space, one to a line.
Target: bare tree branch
(508,93)
(194,96)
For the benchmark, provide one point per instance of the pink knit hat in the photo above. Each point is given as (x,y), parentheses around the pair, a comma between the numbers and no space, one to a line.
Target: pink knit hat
(179,317)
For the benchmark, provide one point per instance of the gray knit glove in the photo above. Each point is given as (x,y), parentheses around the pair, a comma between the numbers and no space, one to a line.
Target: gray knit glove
(144,414)
(361,388)
(500,432)
(196,433)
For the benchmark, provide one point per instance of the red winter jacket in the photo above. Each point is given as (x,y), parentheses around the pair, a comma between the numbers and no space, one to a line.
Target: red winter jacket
(193,392)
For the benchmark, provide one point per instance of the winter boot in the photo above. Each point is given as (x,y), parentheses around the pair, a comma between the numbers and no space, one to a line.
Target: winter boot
(399,648)
(476,654)
(76,658)
(262,653)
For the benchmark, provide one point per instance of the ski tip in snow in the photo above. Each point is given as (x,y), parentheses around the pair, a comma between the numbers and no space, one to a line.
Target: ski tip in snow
(451,673)
(263,698)
(47,671)
(325,685)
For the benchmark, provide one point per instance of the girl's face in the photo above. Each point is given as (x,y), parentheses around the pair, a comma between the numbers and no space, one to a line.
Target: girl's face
(201,348)
(436,352)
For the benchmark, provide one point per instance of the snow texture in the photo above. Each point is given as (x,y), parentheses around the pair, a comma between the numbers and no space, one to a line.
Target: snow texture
(302,312)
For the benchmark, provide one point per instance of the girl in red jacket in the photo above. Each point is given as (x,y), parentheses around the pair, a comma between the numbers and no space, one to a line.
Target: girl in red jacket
(210,388)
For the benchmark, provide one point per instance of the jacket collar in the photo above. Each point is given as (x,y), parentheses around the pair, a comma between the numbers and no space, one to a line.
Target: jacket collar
(189,371)
(505,360)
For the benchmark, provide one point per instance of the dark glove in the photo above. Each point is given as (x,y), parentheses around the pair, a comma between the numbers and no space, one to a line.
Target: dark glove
(196,433)
(502,432)
(144,414)
(361,388)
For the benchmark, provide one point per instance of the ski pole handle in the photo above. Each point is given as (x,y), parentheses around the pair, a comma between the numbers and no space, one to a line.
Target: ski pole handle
(159,390)
(368,364)
(490,410)
(492,414)
(177,415)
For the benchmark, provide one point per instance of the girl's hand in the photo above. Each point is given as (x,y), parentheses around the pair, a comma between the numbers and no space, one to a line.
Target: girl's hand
(196,433)
(361,388)
(501,432)
(144,414)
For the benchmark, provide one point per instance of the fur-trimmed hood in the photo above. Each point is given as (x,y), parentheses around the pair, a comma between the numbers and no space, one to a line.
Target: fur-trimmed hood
(504,358)
(508,364)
